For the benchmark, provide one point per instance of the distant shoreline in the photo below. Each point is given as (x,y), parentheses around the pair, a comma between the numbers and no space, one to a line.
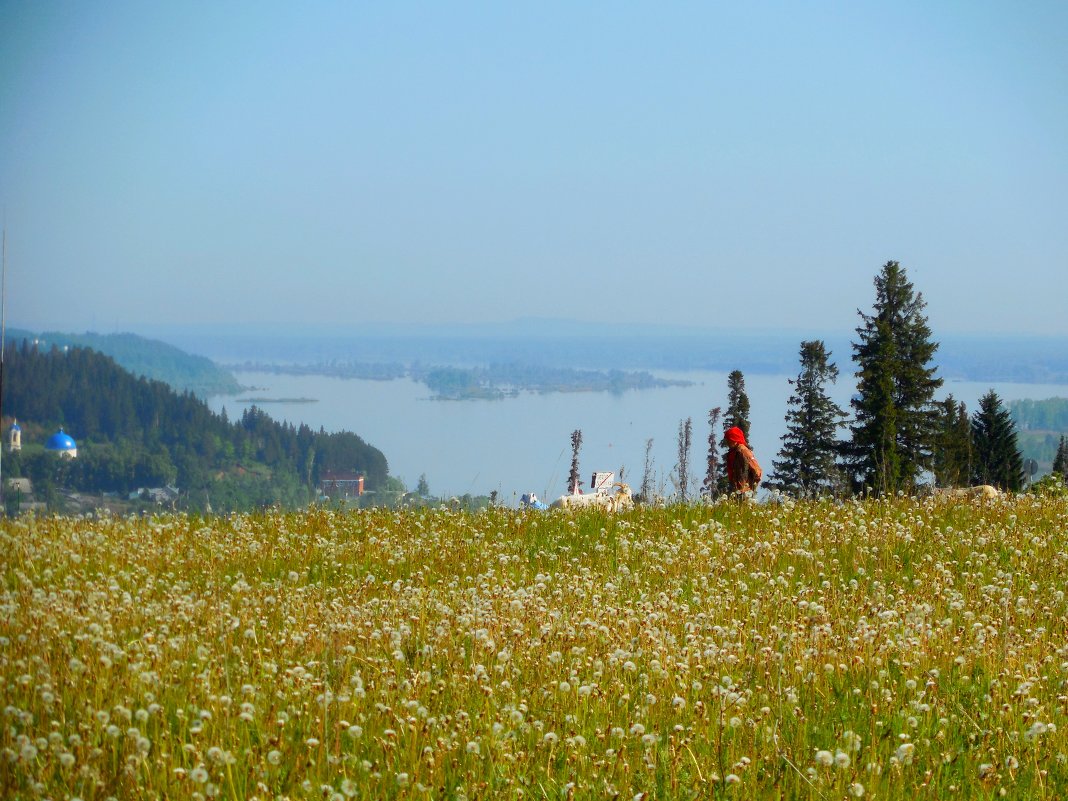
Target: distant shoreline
(276,400)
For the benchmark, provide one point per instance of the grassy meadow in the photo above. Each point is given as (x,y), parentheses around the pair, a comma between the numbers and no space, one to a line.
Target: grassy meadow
(901,649)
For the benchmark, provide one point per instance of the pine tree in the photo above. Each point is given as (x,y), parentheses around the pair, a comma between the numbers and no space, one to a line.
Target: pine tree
(1060,461)
(952,464)
(573,480)
(997,458)
(737,415)
(895,420)
(737,404)
(711,488)
(807,465)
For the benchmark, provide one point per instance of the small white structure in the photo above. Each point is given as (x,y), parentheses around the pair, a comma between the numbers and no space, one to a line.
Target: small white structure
(982,492)
(14,437)
(63,445)
(606,494)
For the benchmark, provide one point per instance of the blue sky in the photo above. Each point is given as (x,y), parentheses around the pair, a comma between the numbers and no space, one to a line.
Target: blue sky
(734,165)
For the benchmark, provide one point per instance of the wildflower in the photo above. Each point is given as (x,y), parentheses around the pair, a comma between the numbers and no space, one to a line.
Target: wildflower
(199,774)
(274,757)
(905,753)
(825,758)
(851,741)
(637,730)
(841,759)
(1012,763)
(473,747)
(732,778)
(856,789)
(551,738)
(1037,728)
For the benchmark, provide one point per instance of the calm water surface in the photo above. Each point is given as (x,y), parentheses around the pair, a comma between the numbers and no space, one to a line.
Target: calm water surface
(523,444)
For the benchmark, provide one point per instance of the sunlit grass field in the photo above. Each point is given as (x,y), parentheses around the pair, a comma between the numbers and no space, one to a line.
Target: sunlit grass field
(900,649)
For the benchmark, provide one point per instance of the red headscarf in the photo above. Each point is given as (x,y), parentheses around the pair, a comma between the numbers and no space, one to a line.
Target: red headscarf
(735,436)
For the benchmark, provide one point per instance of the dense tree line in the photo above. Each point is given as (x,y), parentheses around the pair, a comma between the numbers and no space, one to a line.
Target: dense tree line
(135,432)
(899,433)
(144,357)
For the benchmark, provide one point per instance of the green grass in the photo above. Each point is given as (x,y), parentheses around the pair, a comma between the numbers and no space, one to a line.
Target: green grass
(897,649)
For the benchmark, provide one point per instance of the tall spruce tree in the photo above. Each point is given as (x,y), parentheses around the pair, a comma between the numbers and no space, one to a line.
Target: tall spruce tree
(952,464)
(1060,461)
(711,486)
(895,420)
(997,457)
(737,414)
(737,404)
(807,465)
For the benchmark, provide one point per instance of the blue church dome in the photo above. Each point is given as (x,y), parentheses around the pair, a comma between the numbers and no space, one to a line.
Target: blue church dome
(61,442)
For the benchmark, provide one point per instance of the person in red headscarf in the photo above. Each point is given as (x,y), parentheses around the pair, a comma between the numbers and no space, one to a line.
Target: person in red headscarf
(743,470)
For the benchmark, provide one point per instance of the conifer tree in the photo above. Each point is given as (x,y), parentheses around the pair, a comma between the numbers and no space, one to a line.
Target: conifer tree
(1060,461)
(952,464)
(711,488)
(737,415)
(807,465)
(997,458)
(737,404)
(895,420)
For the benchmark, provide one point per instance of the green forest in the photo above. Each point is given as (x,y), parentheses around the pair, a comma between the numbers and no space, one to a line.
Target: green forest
(144,357)
(133,432)
(1040,425)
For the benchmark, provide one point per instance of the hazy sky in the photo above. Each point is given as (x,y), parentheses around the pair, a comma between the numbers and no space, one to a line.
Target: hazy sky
(741,164)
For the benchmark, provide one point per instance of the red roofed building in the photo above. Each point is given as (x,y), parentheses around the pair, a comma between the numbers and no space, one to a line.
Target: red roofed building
(341,484)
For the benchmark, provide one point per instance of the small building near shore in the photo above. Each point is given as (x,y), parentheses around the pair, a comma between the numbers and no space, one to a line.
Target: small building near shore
(338,484)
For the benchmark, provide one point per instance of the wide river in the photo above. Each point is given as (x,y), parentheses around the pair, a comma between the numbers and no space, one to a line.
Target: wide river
(523,444)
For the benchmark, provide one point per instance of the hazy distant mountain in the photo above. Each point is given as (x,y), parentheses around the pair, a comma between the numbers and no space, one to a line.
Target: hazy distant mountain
(144,357)
(580,345)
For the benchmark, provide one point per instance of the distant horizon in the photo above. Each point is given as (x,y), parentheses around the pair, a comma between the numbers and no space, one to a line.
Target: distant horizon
(539,326)
(1024,358)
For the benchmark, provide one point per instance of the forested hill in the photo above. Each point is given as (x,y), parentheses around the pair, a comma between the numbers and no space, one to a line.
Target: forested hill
(133,432)
(145,357)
